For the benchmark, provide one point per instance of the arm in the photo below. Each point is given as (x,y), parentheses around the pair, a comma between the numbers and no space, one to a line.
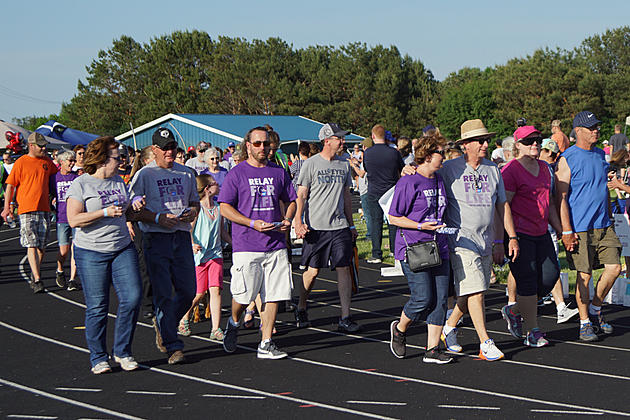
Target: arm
(8,197)
(225,235)
(288,215)
(563,178)
(230,213)
(505,214)
(347,210)
(406,223)
(357,168)
(300,228)
(78,217)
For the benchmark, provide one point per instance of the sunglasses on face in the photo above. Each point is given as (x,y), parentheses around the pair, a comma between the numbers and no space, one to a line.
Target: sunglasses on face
(213,158)
(201,150)
(72,160)
(265,143)
(531,140)
(439,152)
(593,128)
(480,141)
(167,148)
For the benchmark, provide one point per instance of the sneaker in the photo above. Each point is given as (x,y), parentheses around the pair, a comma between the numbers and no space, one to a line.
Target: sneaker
(158,337)
(217,335)
(599,324)
(176,357)
(301,318)
(397,341)
(450,341)
(348,325)
(126,363)
(73,285)
(38,286)
(184,327)
(535,338)
(434,355)
(270,351)
(373,260)
(60,279)
(514,322)
(230,337)
(101,367)
(547,300)
(489,351)
(587,333)
(566,314)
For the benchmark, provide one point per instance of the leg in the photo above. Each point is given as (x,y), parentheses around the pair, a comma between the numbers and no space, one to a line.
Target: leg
(461,307)
(581,293)
(215,307)
(34,261)
(376,226)
(73,265)
(606,282)
(308,281)
(128,287)
(195,302)
(344,288)
(366,214)
(268,316)
(511,287)
(61,257)
(477,310)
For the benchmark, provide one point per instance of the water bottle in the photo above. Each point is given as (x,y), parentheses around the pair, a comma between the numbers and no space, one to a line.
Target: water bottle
(11,222)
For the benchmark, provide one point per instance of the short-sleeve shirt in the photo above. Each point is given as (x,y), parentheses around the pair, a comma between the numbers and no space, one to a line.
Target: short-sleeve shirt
(218,176)
(383,165)
(31,177)
(530,204)
(196,165)
(167,190)
(561,140)
(618,142)
(59,186)
(107,234)
(472,196)
(256,193)
(416,197)
(326,181)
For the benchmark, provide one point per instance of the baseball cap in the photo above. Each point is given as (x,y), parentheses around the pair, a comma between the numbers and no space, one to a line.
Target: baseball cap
(427,128)
(163,137)
(191,148)
(331,129)
(550,145)
(524,131)
(585,119)
(37,138)
(231,144)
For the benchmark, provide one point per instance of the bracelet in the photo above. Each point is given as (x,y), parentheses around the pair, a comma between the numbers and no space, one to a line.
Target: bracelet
(514,238)
(157,218)
(568,232)
(251,223)
(419,227)
(105,212)
(353,227)
(498,241)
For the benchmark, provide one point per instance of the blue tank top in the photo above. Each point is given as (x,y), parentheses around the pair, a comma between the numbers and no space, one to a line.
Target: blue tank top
(588,193)
(207,233)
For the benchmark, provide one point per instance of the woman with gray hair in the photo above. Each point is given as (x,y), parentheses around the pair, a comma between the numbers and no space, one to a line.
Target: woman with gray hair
(213,158)
(59,186)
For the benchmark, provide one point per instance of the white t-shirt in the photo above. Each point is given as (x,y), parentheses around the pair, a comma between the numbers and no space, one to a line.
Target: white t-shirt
(196,165)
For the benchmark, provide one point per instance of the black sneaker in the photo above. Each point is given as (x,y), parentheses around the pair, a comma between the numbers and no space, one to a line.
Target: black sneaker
(60,279)
(230,337)
(434,355)
(301,318)
(348,325)
(270,351)
(397,341)
(37,286)
(73,285)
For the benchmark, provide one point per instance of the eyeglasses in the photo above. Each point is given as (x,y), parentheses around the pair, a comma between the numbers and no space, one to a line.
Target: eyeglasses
(72,160)
(531,140)
(213,158)
(259,143)
(168,147)
(116,158)
(41,147)
(439,152)
(593,128)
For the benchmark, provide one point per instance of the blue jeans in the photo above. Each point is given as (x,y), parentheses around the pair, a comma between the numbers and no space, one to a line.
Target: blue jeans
(375,212)
(170,266)
(99,270)
(366,214)
(429,293)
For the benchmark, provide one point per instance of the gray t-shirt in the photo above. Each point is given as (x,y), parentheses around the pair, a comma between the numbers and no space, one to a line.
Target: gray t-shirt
(472,196)
(167,191)
(618,142)
(107,234)
(196,165)
(326,181)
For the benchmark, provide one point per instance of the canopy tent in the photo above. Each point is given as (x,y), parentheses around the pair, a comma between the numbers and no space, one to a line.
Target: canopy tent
(8,130)
(68,135)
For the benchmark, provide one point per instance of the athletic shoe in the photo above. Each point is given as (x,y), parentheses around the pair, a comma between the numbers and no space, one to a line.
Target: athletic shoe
(599,324)
(587,333)
(397,341)
(348,325)
(184,327)
(489,351)
(158,337)
(301,318)
(450,341)
(176,357)
(38,287)
(514,322)
(101,367)
(126,363)
(270,351)
(547,300)
(535,338)
(373,260)
(434,355)
(230,337)
(566,314)
(73,285)
(60,279)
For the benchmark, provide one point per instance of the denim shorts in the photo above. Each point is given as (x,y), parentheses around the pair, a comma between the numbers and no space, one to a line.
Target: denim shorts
(64,234)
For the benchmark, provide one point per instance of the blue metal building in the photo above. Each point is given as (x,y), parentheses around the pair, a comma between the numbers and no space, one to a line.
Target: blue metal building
(189,129)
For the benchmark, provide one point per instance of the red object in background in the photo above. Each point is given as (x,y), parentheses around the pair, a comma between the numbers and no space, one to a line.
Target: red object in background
(15,141)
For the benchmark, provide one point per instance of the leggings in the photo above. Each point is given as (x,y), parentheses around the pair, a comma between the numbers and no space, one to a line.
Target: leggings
(536,269)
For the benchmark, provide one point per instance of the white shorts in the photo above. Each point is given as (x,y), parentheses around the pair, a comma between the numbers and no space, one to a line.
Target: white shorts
(267,273)
(471,271)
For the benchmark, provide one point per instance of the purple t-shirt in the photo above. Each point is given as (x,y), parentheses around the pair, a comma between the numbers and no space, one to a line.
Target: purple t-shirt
(255,193)
(414,198)
(61,183)
(218,176)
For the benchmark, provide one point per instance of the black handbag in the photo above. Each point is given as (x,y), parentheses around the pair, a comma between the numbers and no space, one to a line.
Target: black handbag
(423,255)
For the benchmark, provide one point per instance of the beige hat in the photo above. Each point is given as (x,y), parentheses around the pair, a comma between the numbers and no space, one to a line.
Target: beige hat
(37,138)
(474,129)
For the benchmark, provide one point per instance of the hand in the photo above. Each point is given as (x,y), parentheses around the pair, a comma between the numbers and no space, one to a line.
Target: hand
(167,220)
(188,216)
(5,214)
(498,254)
(114,211)
(137,205)
(286,225)
(300,229)
(130,229)
(431,226)
(262,226)
(196,248)
(513,249)
(614,182)
(408,170)
(570,241)
(354,234)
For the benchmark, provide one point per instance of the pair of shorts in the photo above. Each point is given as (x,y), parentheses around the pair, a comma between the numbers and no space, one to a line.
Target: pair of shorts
(64,234)
(34,227)
(471,271)
(323,248)
(267,273)
(209,274)
(595,247)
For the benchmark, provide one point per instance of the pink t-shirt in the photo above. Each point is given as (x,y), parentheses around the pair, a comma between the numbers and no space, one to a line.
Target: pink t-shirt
(530,205)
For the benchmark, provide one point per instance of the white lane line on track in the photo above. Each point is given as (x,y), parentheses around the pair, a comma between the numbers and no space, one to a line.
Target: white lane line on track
(588,413)
(203,380)
(238,397)
(68,400)
(151,393)
(468,407)
(29,416)
(376,402)
(61,388)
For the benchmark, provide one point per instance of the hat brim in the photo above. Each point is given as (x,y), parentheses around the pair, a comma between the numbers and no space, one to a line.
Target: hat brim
(341,133)
(481,136)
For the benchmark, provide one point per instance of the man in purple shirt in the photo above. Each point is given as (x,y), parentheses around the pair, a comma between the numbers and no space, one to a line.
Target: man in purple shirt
(251,198)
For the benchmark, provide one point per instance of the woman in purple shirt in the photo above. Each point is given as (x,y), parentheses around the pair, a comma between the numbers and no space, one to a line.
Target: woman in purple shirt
(417,208)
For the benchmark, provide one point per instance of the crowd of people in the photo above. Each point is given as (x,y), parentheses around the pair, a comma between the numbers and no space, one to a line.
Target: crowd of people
(156,224)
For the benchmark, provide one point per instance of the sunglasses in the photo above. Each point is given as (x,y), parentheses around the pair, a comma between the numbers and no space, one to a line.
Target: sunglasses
(593,128)
(202,150)
(480,141)
(265,143)
(116,158)
(167,147)
(72,160)
(213,158)
(531,140)
(439,152)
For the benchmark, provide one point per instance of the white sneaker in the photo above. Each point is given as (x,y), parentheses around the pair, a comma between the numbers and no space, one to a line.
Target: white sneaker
(101,367)
(566,314)
(489,351)
(126,363)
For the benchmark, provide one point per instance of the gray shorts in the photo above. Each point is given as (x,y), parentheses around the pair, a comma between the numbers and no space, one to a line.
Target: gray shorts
(471,271)
(267,273)
(34,227)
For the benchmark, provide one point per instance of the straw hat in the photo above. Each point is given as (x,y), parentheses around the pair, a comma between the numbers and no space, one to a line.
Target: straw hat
(474,129)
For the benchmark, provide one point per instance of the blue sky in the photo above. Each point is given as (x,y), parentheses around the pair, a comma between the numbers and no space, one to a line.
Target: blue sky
(46,48)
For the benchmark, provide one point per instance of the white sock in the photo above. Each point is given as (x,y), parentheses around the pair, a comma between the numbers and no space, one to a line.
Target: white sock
(584,321)
(594,310)
(234,324)
(511,303)
(560,307)
(262,343)
(447,329)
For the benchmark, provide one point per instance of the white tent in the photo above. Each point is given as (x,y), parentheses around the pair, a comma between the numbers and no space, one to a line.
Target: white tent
(5,126)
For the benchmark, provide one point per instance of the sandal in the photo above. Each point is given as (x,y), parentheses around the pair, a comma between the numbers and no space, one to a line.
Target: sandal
(249,324)
(217,335)
(184,327)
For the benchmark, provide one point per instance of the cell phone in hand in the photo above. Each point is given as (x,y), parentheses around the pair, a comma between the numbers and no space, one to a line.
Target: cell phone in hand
(184,211)
(277,225)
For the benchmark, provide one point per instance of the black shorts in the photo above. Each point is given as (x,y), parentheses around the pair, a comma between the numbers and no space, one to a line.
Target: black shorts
(323,248)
